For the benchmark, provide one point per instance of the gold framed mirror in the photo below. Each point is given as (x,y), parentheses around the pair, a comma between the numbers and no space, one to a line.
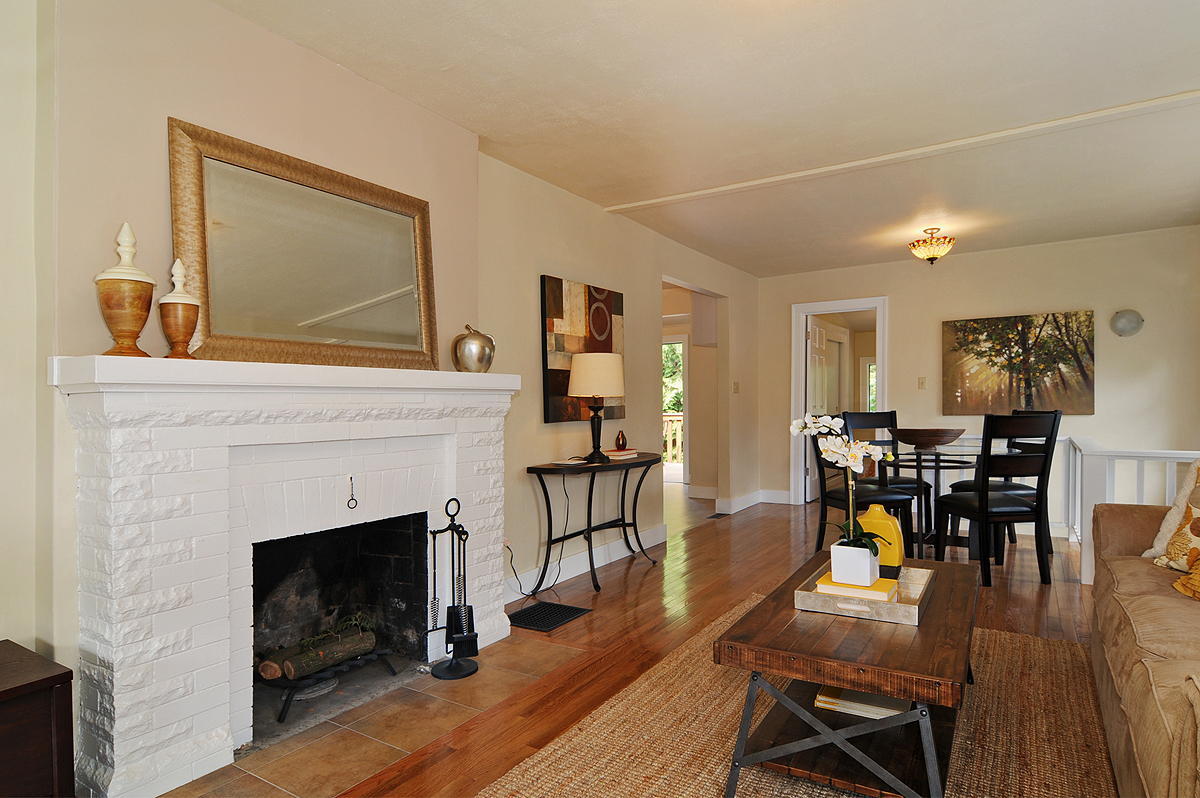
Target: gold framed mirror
(296,263)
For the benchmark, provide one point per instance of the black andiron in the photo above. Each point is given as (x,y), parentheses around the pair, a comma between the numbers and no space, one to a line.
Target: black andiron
(460,617)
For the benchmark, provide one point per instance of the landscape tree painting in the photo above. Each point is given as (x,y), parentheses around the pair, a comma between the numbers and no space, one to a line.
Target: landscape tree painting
(1006,363)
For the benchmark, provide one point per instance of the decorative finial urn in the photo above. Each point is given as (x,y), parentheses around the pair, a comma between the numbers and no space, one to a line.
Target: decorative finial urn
(125,295)
(179,312)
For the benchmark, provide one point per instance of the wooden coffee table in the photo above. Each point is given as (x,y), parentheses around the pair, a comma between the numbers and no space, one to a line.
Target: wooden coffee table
(903,755)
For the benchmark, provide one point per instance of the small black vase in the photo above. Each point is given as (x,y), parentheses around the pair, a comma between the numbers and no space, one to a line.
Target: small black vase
(621,440)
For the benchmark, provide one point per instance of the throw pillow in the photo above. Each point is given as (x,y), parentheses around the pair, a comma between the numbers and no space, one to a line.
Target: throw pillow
(1186,539)
(1174,520)
(1189,585)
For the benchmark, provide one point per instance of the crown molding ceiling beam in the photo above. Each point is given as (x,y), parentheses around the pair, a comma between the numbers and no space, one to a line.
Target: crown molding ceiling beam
(1179,100)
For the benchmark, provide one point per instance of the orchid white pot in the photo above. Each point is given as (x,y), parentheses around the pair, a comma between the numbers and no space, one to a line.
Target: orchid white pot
(851,565)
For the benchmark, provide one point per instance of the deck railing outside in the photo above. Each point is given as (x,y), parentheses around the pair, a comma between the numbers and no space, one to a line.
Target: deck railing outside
(672,437)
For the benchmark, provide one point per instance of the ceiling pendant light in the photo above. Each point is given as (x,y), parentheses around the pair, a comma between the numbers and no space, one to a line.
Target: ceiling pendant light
(932,247)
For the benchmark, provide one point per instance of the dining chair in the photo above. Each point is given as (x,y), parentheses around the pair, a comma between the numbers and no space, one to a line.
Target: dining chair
(879,422)
(895,501)
(991,510)
(1010,486)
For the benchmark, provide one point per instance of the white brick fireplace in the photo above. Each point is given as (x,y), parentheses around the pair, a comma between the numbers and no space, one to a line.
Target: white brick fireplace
(182,466)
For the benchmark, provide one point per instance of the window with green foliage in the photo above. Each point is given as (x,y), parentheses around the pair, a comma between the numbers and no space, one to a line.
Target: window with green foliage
(672,363)
(871,388)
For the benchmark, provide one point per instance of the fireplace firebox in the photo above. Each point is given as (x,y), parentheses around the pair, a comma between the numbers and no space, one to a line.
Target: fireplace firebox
(306,584)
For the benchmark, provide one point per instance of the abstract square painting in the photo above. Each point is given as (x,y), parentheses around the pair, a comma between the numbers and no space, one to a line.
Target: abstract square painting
(577,318)
(1005,363)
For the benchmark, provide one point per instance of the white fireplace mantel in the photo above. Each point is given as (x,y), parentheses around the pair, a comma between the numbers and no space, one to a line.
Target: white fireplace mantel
(182,466)
(99,374)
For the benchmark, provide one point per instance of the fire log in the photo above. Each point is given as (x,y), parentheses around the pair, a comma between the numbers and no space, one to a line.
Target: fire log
(296,662)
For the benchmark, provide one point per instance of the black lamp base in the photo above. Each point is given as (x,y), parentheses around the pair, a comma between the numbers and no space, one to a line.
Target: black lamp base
(597,457)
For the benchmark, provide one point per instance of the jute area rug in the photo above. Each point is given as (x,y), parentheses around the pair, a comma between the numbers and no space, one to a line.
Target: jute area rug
(1030,726)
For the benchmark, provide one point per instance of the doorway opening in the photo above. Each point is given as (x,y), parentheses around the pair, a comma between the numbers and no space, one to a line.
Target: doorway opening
(692,423)
(839,363)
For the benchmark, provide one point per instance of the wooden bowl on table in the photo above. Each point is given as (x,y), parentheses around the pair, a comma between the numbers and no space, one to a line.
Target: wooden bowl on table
(926,439)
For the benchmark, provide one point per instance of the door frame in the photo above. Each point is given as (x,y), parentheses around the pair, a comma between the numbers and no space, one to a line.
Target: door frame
(683,339)
(799,453)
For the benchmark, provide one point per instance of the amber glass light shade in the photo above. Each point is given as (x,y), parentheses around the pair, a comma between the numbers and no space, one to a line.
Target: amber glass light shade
(933,246)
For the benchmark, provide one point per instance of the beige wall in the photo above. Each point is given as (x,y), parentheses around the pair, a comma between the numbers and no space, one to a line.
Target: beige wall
(1145,385)
(126,65)
(528,228)
(18,355)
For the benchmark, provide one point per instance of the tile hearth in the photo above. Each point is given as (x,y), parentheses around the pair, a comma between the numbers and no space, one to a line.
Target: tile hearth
(182,466)
(313,763)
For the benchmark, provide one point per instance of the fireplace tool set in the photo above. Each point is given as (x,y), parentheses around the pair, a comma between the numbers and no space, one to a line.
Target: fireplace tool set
(460,616)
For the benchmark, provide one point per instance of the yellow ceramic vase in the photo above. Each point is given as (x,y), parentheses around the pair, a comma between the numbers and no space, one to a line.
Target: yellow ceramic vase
(891,547)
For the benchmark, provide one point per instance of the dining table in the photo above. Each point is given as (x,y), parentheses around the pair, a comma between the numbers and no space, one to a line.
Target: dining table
(934,461)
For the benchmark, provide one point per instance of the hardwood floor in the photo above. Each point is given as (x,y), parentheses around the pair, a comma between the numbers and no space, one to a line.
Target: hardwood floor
(644,612)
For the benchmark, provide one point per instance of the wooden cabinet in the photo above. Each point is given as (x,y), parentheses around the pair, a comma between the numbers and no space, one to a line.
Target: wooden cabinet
(35,725)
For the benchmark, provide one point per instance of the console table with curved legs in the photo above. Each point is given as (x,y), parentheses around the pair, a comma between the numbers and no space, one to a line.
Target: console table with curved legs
(623,521)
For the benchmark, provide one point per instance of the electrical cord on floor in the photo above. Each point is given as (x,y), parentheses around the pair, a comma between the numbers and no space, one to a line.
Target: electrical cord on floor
(558,564)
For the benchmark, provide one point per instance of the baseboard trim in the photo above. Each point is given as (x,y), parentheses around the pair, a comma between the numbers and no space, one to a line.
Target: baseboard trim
(731,506)
(775,496)
(577,563)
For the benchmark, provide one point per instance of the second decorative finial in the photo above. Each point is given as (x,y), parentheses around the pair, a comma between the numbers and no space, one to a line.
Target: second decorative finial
(179,311)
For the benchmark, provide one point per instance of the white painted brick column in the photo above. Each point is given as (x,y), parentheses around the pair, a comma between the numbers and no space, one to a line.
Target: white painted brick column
(182,466)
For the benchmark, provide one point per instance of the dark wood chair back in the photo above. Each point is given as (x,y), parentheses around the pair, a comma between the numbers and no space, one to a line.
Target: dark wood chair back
(1031,441)
(879,422)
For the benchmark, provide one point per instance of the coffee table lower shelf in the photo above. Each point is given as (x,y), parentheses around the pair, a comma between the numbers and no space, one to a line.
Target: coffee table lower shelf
(897,749)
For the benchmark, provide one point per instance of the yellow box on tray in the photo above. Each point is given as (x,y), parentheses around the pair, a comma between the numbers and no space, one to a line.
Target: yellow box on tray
(882,590)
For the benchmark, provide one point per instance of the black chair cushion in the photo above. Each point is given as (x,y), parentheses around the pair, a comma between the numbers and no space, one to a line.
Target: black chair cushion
(995,486)
(897,481)
(868,493)
(967,504)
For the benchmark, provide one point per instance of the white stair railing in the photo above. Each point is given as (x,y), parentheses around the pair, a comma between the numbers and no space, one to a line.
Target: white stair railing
(1096,475)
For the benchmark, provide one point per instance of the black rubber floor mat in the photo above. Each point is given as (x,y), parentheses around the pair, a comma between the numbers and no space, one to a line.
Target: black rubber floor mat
(545,615)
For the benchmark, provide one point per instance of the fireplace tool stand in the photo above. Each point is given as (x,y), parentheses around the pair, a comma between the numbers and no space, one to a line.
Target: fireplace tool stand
(461,640)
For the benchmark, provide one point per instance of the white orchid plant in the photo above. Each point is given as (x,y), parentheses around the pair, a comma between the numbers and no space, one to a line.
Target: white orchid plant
(851,455)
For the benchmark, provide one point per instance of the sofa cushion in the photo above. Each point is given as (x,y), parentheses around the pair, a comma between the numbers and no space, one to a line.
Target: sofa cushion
(1151,627)
(1161,703)
(1165,625)
(1134,576)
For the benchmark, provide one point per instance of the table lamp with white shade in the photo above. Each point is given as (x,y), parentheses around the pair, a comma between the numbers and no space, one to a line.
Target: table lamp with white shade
(596,375)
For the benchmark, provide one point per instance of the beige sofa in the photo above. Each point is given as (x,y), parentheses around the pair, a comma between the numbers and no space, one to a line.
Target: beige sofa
(1146,657)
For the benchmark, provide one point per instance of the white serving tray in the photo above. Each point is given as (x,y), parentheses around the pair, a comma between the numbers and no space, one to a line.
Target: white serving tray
(915,588)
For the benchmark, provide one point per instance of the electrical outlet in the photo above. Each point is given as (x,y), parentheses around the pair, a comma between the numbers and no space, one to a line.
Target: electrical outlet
(737,387)
(920,383)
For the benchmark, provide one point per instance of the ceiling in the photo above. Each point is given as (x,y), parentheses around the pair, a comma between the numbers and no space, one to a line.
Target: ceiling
(784,136)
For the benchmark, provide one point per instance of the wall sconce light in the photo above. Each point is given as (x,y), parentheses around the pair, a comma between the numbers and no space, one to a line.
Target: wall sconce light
(1126,322)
